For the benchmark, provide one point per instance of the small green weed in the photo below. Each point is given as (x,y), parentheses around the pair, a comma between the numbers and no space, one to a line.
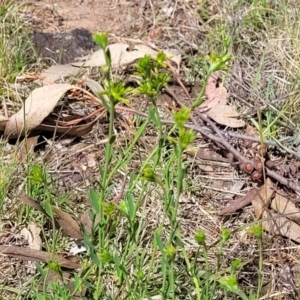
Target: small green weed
(135,248)
(116,248)
(15,46)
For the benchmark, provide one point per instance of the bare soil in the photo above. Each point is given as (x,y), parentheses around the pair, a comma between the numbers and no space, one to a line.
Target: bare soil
(61,30)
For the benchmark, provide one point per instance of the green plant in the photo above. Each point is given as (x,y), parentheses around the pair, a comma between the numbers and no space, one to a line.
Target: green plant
(122,258)
(136,248)
(14,43)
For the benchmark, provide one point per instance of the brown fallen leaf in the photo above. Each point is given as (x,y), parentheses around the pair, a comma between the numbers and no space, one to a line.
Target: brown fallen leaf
(273,222)
(280,225)
(3,122)
(57,72)
(87,222)
(215,93)
(262,198)
(39,104)
(209,154)
(207,169)
(95,87)
(121,56)
(33,203)
(250,131)
(37,255)
(233,188)
(68,224)
(225,115)
(32,235)
(286,207)
(63,278)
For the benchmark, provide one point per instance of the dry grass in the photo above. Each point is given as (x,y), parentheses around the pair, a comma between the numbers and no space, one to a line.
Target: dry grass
(265,67)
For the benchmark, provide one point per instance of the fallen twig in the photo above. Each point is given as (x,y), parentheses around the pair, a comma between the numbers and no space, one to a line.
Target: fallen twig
(239,203)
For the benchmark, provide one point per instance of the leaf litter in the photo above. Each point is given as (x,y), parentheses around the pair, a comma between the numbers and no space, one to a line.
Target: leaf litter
(41,101)
(219,111)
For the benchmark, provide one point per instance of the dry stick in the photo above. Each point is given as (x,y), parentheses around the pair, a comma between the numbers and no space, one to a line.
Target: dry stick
(272,174)
(239,203)
(225,143)
(252,138)
(178,80)
(211,136)
(283,180)
(203,130)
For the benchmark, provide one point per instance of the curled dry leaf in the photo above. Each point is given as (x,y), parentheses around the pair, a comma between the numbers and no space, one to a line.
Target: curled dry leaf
(3,122)
(225,115)
(37,255)
(32,235)
(120,56)
(215,93)
(39,104)
(76,130)
(57,72)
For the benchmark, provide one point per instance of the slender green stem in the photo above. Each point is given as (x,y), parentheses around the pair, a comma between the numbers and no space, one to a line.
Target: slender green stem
(180,175)
(104,184)
(160,134)
(205,254)
(199,99)
(260,266)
